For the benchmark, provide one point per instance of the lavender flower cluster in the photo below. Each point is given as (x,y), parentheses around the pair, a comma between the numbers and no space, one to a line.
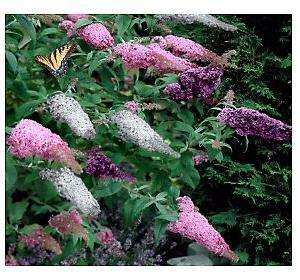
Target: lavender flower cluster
(251,122)
(196,83)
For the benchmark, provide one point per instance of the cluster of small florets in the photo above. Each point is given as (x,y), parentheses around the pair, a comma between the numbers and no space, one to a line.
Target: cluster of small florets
(69,223)
(208,20)
(101,166)
(132,106)
(134,55)
(200,158)
(66,109)
(134,129)
(94,34)
(196,83)
(191,224)
(137,56)
(39,238)
(29,138)
(251,122)
(187,48)
(76,17)
(72,188)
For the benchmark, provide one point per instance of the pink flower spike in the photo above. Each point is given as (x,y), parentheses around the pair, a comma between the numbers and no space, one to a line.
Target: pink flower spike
(96,35)
(69,223)
(39,238)
(132,106)
(134,55)
(76,17)
(166,62)
(191,224)
(29,138)
(68,26)
(106,236)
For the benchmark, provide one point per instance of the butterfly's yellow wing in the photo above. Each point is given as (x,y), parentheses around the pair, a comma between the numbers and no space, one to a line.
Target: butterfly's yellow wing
(56,63)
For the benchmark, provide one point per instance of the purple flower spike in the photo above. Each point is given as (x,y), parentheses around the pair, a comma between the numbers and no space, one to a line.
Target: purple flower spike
(251,122)
(196,83)
(101,166)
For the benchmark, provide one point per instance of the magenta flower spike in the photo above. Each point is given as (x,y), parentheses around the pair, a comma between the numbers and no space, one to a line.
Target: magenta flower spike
(29,138)
(96,35)
(76,17)
(191,224)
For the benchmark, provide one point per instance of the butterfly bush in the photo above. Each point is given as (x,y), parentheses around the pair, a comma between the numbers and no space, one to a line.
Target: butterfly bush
(165,62)
(29,138)
(132,106)
(106,236)
(72,188)
(38,237)
(76,17)
(66,109)
(208,20)
(134,55)
(252,122)
(191,224)
(134,129)
(69,223)
(196,83)
(200,158)
(96,35)
(68,26)
(101,166)
(11,261)
(188,49)
(137,56)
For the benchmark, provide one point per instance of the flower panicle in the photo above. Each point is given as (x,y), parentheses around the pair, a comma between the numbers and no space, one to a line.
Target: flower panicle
(72,188)
(247,121)
(66,109)
(131,128)
(101,166)
(191,224)
(69,223)
(29,138)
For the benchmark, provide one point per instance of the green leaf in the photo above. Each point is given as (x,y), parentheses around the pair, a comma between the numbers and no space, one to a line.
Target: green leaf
(127,211)
(122,23)
(12,61)
(160,227)
(48,31)
(82,22)
(107,189)
(27,108)
(25,40)
(17,210)
(191,177)
(91,240)
(181,126)
(10,172)
(143,89)
(186,116)
(140,205)
(227,218)
(27,25)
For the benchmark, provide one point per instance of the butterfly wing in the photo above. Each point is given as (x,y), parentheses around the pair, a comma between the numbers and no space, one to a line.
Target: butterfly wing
(56,63)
